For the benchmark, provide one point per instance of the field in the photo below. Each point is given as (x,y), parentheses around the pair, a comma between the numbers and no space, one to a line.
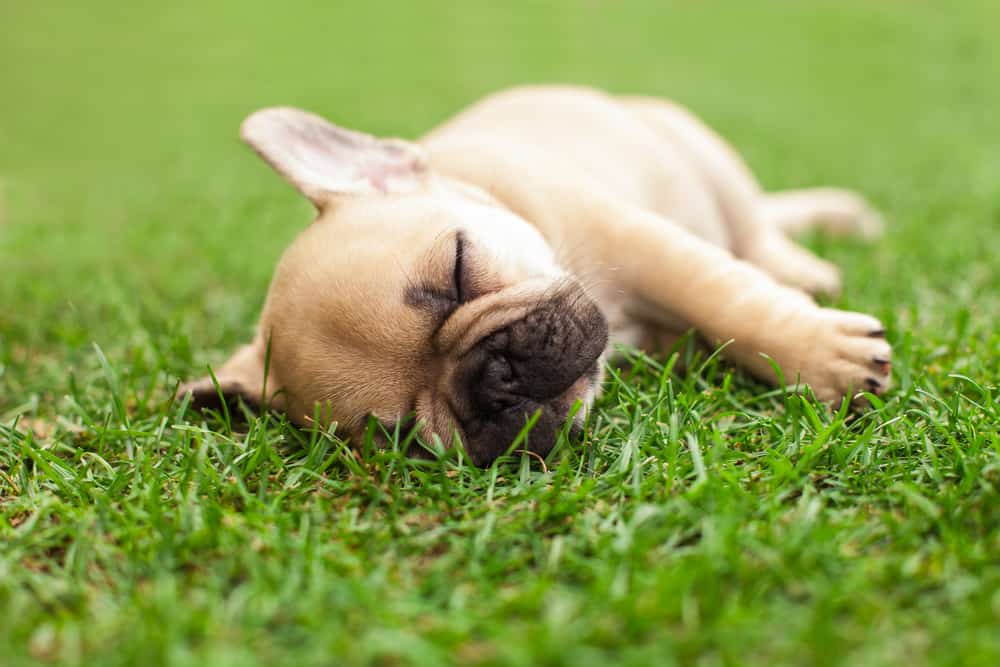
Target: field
(702,519)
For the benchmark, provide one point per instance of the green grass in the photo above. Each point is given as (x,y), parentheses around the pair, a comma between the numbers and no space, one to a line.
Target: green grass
(702,519)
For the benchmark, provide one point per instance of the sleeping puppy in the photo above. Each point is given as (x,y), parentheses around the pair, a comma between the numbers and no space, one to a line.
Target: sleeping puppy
(479,277)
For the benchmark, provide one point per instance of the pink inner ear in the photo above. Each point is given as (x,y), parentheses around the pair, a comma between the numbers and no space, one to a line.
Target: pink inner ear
(392,175)
(323,160)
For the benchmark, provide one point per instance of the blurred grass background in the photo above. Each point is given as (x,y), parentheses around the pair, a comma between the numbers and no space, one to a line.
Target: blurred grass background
(132,217)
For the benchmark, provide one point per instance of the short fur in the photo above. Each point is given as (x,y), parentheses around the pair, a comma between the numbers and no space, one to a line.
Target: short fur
(479,276)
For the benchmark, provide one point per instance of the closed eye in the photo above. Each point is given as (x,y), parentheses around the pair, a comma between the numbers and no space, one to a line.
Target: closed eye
(458,277)
(442,301)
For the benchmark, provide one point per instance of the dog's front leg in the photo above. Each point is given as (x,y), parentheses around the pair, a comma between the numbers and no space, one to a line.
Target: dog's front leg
(727,300)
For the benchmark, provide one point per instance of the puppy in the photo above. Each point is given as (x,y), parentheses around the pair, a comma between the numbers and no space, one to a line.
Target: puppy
(475,279)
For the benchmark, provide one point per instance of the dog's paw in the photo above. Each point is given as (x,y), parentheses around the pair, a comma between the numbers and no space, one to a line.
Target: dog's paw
(835,211)
(869,223)
(849,214)
(847,356)
(792,265)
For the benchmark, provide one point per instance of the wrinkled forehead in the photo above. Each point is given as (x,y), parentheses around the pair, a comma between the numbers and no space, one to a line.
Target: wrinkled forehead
(366,242)
(515,246)
(406,233)
(348,274)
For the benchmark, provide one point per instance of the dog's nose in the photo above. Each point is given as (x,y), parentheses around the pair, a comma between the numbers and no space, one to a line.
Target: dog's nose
(528,367)
(538,357)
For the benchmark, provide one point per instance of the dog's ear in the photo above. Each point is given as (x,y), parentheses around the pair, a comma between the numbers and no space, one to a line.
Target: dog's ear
(242,377)
(325,161)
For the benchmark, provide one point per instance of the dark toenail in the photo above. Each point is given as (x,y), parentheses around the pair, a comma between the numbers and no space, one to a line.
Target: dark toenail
(880,360)
(877,333)
(873,383)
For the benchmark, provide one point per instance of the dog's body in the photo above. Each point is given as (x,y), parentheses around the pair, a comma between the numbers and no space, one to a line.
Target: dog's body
(473,280)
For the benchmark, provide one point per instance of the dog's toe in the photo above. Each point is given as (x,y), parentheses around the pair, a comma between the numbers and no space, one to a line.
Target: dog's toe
(849,359)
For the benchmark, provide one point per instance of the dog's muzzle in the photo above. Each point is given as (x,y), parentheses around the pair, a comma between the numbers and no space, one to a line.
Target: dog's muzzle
(540,363)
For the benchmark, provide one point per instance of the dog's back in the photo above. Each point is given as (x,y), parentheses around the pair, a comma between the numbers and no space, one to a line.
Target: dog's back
(586,137)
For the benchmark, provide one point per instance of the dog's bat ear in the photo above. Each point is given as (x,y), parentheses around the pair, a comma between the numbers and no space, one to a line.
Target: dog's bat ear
(326,162)
(241,378)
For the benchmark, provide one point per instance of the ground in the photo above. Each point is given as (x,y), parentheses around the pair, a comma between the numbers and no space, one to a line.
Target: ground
(702,519)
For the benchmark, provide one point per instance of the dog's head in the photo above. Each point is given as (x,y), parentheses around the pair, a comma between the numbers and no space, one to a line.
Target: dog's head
(410,297)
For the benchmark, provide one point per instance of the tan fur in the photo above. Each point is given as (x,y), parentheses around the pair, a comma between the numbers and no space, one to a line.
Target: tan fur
(635,198)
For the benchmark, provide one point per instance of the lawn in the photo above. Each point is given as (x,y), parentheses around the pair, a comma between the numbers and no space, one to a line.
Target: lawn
(702,518)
